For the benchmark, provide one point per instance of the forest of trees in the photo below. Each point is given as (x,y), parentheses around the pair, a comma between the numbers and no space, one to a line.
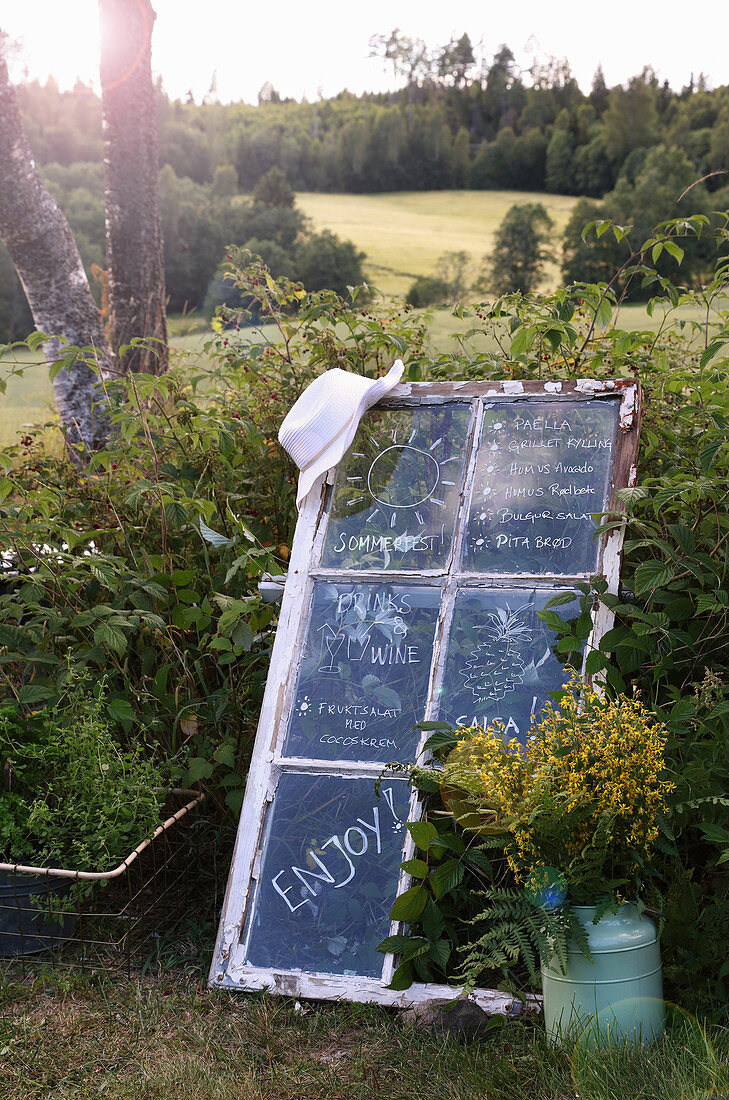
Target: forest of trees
(453,125)
(492,130)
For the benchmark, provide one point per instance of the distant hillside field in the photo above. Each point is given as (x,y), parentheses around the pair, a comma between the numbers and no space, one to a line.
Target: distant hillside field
(404,233)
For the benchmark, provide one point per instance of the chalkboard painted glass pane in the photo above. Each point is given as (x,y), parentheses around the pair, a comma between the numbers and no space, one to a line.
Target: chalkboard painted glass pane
(397,490)
(543,468)
(500,665)
(329,874)
(363,677)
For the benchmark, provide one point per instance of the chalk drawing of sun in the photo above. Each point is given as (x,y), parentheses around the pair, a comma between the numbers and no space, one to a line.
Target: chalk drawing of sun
(407,474)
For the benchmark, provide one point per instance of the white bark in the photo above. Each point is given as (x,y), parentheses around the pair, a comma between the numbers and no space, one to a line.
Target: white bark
(42,247)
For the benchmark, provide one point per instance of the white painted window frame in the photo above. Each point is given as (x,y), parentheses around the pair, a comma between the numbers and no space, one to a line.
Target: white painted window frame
(228,970)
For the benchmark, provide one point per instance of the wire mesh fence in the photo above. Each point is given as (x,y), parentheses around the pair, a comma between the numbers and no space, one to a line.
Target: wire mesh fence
(115,920)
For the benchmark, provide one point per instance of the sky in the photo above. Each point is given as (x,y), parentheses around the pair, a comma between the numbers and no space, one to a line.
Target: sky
(321,47)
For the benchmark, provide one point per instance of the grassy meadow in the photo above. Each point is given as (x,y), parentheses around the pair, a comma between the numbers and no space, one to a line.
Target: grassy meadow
(28,401)
(403,235)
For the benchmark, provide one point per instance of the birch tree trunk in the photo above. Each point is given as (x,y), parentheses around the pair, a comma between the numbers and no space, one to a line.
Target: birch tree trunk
(137,299)
(42,247)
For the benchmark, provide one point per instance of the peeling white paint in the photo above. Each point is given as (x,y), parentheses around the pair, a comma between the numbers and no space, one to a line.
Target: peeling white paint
(628,407)
(590,385)
(330,987)
(552,387)
(512,387)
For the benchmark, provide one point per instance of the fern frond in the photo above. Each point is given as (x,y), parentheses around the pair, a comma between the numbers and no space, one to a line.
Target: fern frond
(513,928)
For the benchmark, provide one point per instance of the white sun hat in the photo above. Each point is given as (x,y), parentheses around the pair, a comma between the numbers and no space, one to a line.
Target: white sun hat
(319,428)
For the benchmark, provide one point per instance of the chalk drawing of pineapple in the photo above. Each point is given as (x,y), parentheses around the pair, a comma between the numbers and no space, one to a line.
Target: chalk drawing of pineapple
(496,666)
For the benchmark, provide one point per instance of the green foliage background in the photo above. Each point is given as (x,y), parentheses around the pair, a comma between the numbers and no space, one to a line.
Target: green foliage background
(450,128)
(77,799)
(144,564)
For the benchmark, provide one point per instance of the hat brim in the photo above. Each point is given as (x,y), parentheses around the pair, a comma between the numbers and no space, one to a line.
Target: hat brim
(334,454)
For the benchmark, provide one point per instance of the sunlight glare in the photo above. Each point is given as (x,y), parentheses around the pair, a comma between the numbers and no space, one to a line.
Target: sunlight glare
(59,40)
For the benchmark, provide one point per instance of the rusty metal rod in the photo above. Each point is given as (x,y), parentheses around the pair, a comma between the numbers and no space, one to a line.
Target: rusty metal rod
(98,876)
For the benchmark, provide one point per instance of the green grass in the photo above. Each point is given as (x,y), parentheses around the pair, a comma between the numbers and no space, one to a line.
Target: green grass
(404,233)
(169,1037)
(444,325)
(29,402)
(29,396)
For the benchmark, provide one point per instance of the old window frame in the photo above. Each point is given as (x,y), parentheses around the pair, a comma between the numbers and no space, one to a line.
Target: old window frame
(228,969)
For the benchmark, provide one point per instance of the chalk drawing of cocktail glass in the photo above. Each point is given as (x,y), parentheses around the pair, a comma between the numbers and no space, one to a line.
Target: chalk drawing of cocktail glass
(333,642)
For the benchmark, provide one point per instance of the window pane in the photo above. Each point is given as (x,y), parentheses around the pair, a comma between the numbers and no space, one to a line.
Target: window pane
(363,677)
(500,666)
(329,874)
(397,490)
(542,469)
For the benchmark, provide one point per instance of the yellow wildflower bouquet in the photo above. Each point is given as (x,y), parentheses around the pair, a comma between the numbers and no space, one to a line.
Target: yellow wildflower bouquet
(579,808)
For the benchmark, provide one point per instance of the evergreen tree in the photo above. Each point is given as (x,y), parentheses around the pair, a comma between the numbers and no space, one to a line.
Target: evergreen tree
(455,60)
(501,83)
(599,92)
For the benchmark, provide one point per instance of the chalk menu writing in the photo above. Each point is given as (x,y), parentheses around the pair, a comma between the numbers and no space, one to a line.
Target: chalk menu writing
(500,666)
(329,874)
(542,470)
(363,676)
(397,490)
(418,580)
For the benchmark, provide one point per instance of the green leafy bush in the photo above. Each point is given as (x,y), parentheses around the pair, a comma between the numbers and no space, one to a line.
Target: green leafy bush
(467,920)
(427,290)
(653,184)
(450,871)
(143,565)
(76,799)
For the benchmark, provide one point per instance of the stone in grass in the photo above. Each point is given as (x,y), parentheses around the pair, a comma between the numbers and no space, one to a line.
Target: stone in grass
(459,1019)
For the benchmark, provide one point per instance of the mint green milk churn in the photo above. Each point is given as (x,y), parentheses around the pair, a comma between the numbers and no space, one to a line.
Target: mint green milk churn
(616,998)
